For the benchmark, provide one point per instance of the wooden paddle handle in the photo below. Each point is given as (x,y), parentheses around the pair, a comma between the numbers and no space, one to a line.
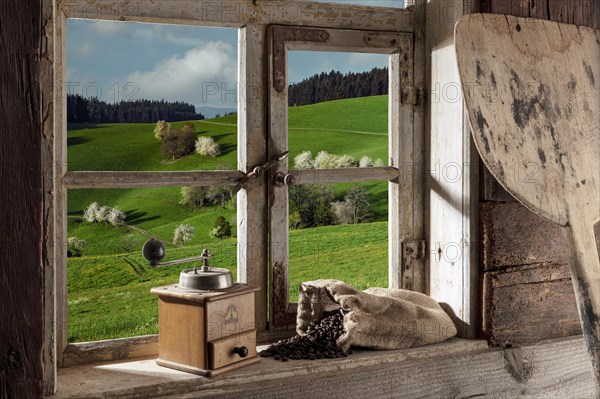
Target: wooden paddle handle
(585,273)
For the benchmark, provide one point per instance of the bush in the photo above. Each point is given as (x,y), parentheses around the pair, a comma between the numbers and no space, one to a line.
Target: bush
(325,160)
(365,162)
(304,161)
(102,214)
(378,163)
(161,130)
(345,161)
(176,144)
(90,212)
(95,213)
(115,217)
(221,228)
(183,234)
(76,245)
(208,147)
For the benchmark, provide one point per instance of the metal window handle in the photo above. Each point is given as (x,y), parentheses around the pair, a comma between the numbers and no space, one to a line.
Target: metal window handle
(241,351)
(284,179)
(259,170)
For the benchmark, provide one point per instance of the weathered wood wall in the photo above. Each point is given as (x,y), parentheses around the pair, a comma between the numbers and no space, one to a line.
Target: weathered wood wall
(21,277)
(527,289)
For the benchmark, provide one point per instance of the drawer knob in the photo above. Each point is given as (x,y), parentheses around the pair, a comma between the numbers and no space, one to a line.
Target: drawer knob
(242,351)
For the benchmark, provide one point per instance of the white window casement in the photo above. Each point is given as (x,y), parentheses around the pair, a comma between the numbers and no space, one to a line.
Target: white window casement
(267,31)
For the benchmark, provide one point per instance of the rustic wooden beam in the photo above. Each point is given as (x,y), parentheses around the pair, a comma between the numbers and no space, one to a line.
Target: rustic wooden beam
(252,151)
(110,350)
(51,106)
(74,180)
(21,192)
(456,368)
(237,13)
(349,175)
(345,40)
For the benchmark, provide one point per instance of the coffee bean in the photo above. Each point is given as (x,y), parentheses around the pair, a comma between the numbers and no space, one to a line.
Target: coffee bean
(319,341)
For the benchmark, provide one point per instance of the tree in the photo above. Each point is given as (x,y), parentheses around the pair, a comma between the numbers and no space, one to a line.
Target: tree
(207,146)
(325,160)
(188,127)
(130,243)
(342,212)
(312,203)
(358,201)
(116,217)
(176,144)
(304,160)
(365,162)
(345,161)
(183,234)
(80,109)
(193,196)
(219,195)
(76,245)
(161,130)
(95,213)
(221,228)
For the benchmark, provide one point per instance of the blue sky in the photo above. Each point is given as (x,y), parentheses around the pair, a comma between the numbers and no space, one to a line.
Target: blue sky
(127,60)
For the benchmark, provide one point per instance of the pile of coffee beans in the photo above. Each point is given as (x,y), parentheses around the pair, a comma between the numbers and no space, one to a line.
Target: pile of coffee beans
(318,343)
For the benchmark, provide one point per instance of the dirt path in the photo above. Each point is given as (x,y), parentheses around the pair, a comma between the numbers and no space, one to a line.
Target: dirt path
(129,226)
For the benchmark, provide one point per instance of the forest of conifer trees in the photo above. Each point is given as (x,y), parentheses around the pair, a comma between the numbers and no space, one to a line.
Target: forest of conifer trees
(336,86)
(92,110)
(315,89)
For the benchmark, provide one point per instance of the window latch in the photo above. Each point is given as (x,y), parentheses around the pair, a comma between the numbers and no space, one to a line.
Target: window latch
(259,170)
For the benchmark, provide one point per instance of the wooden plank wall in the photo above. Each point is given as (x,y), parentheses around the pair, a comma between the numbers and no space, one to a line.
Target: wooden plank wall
(527,289)
(21,276)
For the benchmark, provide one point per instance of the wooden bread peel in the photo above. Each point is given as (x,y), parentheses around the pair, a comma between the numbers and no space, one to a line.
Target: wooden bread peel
(533,102)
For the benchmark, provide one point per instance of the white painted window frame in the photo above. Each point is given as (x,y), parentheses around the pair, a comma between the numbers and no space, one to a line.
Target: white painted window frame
(251,17)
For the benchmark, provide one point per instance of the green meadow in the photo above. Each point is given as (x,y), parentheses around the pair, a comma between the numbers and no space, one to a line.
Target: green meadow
(109,286)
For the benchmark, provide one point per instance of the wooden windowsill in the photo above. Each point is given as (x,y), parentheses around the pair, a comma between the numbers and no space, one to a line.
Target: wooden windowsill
(381,371)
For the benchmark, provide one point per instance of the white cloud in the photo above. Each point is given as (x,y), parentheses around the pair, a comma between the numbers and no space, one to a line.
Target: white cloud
(204,76)
(144,31)
(111,28)
(83,49)
(166,34)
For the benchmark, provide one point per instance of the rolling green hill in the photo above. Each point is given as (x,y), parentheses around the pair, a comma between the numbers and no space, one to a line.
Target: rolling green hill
(109,288)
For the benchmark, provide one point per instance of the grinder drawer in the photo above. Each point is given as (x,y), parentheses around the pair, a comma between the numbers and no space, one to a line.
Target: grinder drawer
(222,352)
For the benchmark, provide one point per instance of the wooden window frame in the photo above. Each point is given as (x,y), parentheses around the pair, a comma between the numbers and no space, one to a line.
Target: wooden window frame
(405,151)
(251,17)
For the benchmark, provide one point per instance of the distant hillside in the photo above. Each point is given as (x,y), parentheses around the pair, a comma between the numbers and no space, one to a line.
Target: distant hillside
(337,86)
(92,110)
(212,112)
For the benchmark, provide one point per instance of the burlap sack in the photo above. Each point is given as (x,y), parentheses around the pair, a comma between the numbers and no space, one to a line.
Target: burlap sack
(376,318)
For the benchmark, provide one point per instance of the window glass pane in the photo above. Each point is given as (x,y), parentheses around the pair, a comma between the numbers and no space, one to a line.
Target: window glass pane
(124,77)
(338,115)
(109,281)
(339,231)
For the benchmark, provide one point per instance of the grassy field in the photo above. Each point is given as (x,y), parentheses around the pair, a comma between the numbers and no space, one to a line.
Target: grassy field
(109,287)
